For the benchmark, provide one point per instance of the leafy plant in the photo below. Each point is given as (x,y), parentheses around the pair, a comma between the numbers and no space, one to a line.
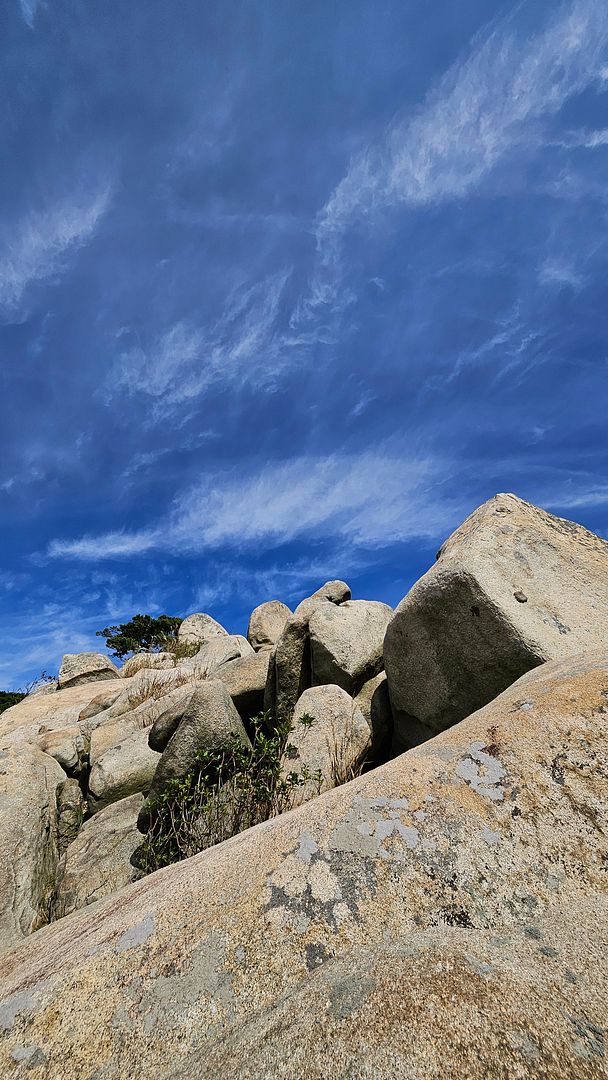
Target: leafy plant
(8,698)
(143,633)
(228,791)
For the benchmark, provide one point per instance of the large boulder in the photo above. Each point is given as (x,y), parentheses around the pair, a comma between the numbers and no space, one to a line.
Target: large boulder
(123,770)
(165,725)
(328,742)
(245,679)
(97,862)
(290,670)
(443,916)
(199,629)
(28,840)
(346,642)
(266,624)
(210,722)
(513,587)
(219,651)
(85,667)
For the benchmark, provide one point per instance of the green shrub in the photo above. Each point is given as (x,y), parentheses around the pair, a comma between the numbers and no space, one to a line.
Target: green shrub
(8,698)
(228,791)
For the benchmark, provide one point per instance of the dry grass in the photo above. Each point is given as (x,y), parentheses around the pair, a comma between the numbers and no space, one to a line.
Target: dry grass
(153,686)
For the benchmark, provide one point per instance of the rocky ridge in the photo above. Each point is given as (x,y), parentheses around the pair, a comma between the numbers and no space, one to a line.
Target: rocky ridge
(456,891)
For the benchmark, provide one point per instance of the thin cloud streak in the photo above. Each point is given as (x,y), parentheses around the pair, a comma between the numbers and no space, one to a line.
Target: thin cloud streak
(28,11)
(479,112)
(368,500)
(486,106)
(186,360)
(35,247)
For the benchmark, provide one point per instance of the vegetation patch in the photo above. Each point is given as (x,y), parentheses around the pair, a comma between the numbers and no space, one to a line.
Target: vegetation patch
(228,791)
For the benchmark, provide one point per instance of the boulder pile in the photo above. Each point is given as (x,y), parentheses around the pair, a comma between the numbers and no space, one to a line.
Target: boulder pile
(438,912)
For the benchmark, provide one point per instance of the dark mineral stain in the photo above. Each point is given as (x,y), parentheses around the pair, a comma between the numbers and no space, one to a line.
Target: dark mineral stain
(315,956)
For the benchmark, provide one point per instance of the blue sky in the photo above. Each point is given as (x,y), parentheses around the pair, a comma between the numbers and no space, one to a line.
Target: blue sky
(286,290)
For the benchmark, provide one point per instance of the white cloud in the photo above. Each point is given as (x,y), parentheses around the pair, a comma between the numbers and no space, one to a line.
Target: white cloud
(576,492)
(28,10)
(485,106)
(368,500)
(185,360)
(35,246)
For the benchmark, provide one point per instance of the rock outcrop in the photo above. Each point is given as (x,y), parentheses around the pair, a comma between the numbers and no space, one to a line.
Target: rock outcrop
(209,722)
(346,642)
(290,669)
(245,680)
(155,661)
(445,915)
(513,587)
(199,629)
(266,624)
(98,861)
(374,703)
(77,668)
(328,743)
(124,769)
(28,839)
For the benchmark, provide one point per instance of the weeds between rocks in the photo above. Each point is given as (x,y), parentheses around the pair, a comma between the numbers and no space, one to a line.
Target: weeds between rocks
(229,791)
(155,686)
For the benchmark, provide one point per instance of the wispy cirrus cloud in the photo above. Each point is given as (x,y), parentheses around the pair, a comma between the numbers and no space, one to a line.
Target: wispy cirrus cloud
(368,500)
(185,360)
(28,11)
(488,104)
(35,247)
(484,106)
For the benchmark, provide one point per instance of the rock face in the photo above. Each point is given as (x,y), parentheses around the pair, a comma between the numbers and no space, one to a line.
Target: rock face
(331,747)
(266,624)
(245,681)
(97,862)
(444,916)
(85,667)
(70,812)
(374,702)
(219,651)
(290,670)
(346,642)
(67,745)
(209,723)
(199,629)
(123,770)
(513,587)
(28,839)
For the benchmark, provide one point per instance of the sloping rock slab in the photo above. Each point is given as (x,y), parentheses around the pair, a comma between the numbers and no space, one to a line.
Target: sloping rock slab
(444,916)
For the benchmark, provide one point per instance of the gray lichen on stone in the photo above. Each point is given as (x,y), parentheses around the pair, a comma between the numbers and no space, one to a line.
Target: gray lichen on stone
(482,772)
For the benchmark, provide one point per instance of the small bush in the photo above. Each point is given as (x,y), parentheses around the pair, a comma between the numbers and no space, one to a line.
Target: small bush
(8,698)
(229,791)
